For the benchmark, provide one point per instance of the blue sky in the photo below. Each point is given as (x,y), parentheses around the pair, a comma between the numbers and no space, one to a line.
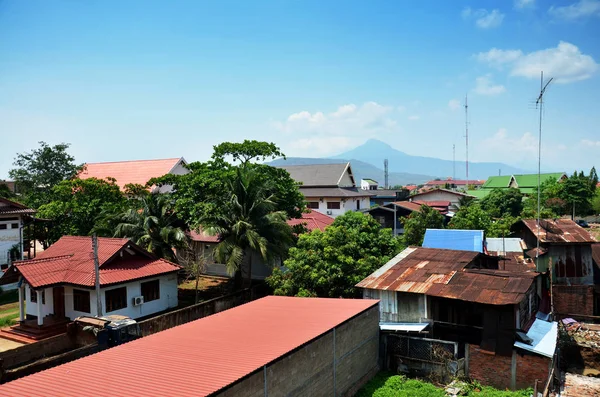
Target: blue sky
(125,80)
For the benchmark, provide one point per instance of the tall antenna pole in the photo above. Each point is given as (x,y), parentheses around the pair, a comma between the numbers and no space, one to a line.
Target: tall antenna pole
(467,137)
(386,174)
(453,161)
(97,275)
(540,102)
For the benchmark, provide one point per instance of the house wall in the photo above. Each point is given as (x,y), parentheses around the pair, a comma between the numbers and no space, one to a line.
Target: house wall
(518,371)
(438,195)
(260,270)
(31,307)
(528,306)
(346,181)
(179,169)
(336,363)
(399,307)
(575,299)
(9,236)
(348,205)
(167,300)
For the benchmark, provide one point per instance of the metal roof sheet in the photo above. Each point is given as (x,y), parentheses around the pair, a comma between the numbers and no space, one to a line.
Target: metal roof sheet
(406,327)
(558,231)
(335,192)
(445,274)
(317,174)
(70,261)
(197,358)
(504,245)
(544,335)
(125,172)
(9,207)
(465,240)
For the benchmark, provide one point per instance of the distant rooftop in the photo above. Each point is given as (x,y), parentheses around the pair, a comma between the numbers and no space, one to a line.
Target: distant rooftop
(466,240)
(315,175)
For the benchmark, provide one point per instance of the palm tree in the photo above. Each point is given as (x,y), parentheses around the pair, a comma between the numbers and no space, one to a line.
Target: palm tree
(250,225)
(153,225)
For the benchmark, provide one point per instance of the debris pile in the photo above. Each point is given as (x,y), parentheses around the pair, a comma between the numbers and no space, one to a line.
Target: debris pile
(583,334)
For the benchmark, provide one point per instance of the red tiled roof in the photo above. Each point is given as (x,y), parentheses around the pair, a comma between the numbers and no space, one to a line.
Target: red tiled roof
(558,231)
(70,261)
(444,273)
(198,358)
(407,205)
(458,182)
(125,172)
(438,203)
(312,220)
(436,190)
(203,237)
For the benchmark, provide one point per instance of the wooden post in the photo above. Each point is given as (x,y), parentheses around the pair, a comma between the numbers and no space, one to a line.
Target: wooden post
(535,388)
(40,318)
(97,275)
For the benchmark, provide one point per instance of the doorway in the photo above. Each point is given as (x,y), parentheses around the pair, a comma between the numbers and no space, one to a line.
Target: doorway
(59,301)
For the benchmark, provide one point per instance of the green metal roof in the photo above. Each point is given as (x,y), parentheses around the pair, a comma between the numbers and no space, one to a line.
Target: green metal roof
(479,193)
(531,180)
(369,180)
(497,182)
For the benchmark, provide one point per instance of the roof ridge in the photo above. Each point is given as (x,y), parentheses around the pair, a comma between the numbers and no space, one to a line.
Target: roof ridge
(37,260)
(131,161)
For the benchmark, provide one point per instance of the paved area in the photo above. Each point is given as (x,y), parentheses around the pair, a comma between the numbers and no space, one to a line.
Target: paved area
(6,344)
(580,386)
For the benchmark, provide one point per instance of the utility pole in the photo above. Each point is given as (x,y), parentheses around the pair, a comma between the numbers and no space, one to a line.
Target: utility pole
(97,274)
(453,161)
(467,137)
(540,102)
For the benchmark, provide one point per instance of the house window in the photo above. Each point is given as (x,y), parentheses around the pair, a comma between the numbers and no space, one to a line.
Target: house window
(33,296)
(14,225)
(151,290)
(3,226)
(313,205)
(81,301)
(333,205)
(116,299)
(358,204)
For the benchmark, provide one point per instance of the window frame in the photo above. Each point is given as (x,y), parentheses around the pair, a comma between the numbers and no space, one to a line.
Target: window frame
(153,294)
(313,205)
(79,295)
(331,206)
(33,296)
(114,302)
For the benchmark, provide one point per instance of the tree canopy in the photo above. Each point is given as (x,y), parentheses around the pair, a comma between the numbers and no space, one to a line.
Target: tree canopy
(503,202)
(38,171)
(417,222)
(332,262)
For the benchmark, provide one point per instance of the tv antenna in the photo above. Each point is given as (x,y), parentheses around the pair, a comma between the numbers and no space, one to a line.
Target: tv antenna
(467,138)
(539,103)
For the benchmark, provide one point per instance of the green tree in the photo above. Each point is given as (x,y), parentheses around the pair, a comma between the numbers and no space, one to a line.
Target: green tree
(332,262)
(250,225)
(596,202)
(503,202)
(417,222)
(472,217)
(578,192)
(153,225)
(77,204)
(5,192)
(37,172)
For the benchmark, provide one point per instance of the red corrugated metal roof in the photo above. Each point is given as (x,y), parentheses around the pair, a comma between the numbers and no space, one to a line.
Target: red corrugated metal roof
(197,358)
(438,203)
(559,231)
(137,171)
(70,261)
(313,220)
(444,273)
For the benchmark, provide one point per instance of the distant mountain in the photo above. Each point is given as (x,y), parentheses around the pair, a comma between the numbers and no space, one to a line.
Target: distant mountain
(373,152)
(360,170)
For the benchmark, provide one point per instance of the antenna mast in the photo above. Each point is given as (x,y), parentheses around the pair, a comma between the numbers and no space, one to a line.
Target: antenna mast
(540,102)
(386,174)
(467,137)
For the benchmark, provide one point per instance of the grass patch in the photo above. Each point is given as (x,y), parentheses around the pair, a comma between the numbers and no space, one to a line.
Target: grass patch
(385,384)
(8,320)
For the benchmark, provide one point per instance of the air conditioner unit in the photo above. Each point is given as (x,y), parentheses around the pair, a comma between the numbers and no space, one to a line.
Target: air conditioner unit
(329,212)
(138,300)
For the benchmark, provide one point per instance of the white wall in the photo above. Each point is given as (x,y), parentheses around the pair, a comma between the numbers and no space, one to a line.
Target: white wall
(366,185)
(349,205)
(167,300)
(179,169)
(9,237)
(31,307)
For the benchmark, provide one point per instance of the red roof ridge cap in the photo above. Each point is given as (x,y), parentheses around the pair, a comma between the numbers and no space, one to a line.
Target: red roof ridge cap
(37,260)
(136,161)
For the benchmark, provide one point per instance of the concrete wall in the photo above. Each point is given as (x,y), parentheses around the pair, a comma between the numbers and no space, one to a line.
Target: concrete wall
(9,236)
(349,205)
(167,300)
(517,372)
(334,364)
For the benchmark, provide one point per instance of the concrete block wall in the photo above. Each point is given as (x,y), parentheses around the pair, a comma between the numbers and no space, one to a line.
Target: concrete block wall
(498,371)
(311,369)
(573,299)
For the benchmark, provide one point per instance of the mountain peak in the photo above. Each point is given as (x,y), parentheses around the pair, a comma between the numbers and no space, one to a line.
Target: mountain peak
(376,143)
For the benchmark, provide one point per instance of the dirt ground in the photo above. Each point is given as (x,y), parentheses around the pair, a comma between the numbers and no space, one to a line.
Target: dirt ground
(6,344)
(205,282)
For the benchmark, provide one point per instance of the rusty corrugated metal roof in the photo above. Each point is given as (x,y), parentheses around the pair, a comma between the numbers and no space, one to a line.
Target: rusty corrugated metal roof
(198,358)
(559,231)
(443,273)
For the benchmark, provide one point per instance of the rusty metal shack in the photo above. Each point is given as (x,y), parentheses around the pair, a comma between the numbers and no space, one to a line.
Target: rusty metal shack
(565,252)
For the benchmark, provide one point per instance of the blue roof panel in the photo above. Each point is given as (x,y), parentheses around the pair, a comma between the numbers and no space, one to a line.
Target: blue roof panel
(464,240)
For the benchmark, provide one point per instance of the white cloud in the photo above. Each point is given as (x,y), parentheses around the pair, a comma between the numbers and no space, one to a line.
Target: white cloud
(566,63)
(454,104)
(484,19)
(578,10)
(322,133)
(485,86)
(414,117)
(502,145)
(588,142)
(520,4)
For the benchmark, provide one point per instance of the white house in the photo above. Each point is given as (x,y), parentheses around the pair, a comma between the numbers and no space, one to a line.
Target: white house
(369,184)
(329,188)
(12,219)
(137,172)
(60,282)
(439,195)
